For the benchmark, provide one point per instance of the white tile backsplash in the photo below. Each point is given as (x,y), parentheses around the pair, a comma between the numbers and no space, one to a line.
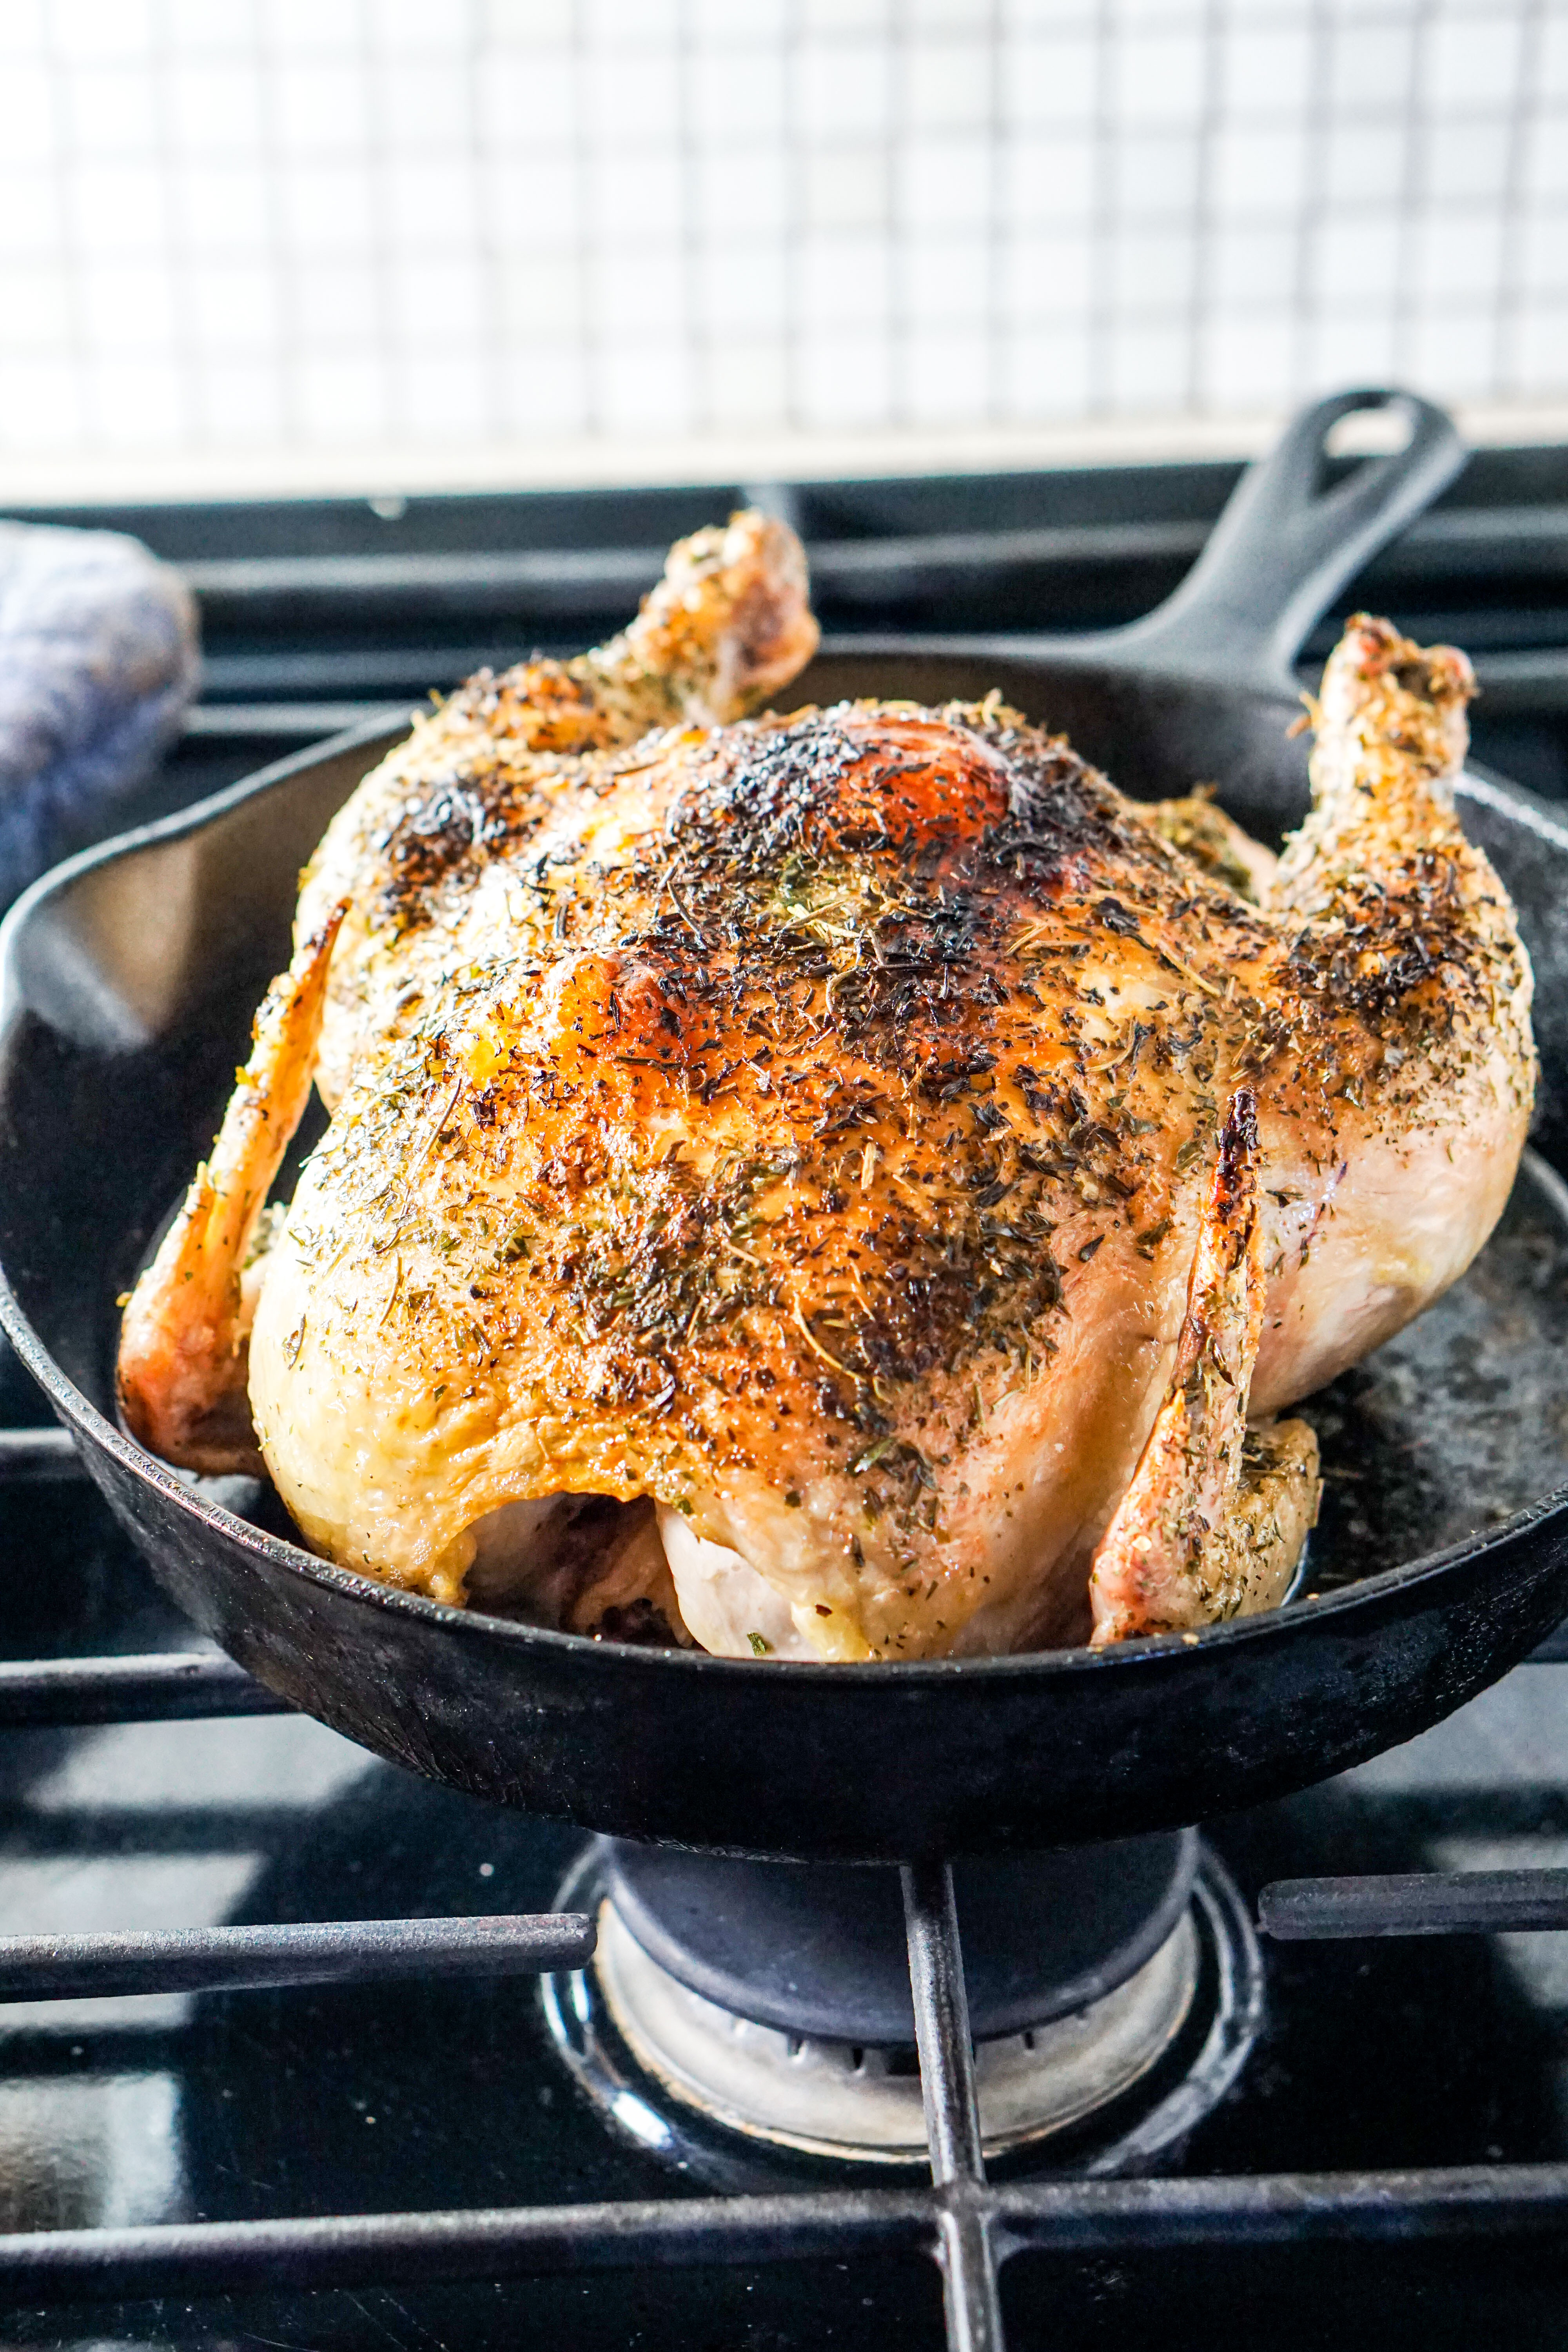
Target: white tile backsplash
(302,225)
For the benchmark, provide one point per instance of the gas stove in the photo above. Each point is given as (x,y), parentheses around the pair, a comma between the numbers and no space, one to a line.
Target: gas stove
(400,2131)
(301,2049)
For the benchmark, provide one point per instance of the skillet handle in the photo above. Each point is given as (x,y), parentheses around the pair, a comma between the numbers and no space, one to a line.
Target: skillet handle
(1284,547)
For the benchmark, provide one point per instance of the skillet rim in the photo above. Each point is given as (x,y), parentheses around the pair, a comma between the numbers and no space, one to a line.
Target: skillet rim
(92,1428)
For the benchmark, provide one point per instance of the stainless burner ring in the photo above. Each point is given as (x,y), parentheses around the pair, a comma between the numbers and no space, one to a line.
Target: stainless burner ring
(711,2090)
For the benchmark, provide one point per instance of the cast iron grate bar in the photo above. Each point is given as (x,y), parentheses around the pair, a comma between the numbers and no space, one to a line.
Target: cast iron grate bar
(233,1959)
(30,1456)
(1427,1903)
(963,2247)
(967,2226)
(1080,2217)
(156,1687)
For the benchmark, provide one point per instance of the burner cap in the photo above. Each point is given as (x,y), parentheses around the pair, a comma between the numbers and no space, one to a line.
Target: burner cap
(1110,2087)
(818,1949)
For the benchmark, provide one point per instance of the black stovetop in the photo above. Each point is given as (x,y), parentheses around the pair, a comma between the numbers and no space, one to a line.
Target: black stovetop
(404,2096)
(1440,2050)
(318,612)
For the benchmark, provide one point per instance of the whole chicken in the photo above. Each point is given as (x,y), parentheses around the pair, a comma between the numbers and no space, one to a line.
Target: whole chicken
(840,1186)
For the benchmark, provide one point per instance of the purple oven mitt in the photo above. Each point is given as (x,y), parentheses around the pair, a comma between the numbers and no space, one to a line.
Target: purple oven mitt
(98,656)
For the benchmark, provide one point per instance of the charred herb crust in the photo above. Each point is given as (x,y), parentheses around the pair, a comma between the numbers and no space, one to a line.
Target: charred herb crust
(835,1081)
(872,1003)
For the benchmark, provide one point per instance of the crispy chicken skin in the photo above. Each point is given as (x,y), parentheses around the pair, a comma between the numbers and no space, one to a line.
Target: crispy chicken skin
(184,1342)
(727,626)
(869,1137)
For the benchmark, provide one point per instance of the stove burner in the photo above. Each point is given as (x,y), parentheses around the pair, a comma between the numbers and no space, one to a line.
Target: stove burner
(845,2099)
(819,1949)
(1115,1994)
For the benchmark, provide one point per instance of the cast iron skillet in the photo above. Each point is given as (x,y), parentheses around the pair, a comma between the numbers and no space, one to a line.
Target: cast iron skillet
(128,980)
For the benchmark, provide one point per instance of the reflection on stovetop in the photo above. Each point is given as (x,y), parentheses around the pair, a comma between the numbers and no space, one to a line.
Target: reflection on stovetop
(396,2096)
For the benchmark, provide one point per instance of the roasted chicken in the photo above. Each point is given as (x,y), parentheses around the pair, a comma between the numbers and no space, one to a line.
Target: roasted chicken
(848,1186)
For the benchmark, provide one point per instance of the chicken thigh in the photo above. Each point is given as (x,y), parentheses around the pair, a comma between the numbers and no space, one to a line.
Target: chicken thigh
(861,1145)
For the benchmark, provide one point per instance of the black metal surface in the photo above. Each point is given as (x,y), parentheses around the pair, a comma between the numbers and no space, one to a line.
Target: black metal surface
(1289,540)
(289,611)
(1466,1903)
(992,1753)
(359,600)
(811,1948)
(1057,2217)
(360,2249)
(437,579)
(414,2120)
(968,2228)
(232,1959)
(169,1686)
(964,2240)
(38,1455)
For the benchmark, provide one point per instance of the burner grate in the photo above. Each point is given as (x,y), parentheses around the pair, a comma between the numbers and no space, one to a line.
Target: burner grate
(1076,2216)
(969,2227)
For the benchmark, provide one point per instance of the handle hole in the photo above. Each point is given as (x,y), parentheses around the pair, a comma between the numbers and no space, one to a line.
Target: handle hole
(1371,433)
